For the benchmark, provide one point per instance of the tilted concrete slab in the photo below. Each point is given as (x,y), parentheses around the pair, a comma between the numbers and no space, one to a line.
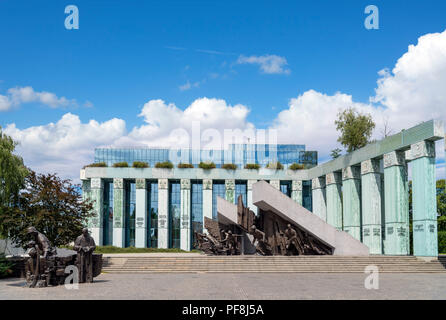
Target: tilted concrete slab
(268,198)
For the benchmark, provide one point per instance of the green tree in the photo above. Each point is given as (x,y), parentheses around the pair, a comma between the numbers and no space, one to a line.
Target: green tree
(52,205)
(355,128)
(441,197)
(12,172)
(335,153)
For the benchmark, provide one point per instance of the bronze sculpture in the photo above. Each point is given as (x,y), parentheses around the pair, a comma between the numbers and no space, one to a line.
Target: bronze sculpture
(84,245)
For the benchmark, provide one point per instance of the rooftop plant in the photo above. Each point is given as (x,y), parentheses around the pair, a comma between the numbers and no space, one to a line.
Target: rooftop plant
(164,165)
(123,164)
(140,164)
(254,166)
(275,165)
(185,165)
(96,164)
(296,166)
(206,165)
(229,166)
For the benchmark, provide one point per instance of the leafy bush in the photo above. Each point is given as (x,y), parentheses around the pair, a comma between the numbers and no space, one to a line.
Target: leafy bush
(442,242)
(207,165)
(275,165)
(442,223)
(5,266)
(96,164)
(252,166)
(185,165)
(120,164)
(164,165)
(140,164)
(296,166)
(229,166)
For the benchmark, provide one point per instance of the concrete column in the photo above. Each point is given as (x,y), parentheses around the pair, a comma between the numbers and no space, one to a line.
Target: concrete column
(275,184)
(319,197)
(296,191)
(351,200)
(396,202)
(424,203)
(333,183)
(230,190)
(95,223)
(207,200)
(371,181)
(249,196)
(141,214)
(185,217)
(118,213)
(163,213)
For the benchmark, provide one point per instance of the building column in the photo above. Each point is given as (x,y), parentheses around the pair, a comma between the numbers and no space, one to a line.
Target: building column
(296,191)
(275,184)
(163,213)
(185,215)
(95,223)
(351,200)
(396,204)
(319,197)
(424,203)
(371,181)
(141,214)
(230,190)
(334,202)
(207,200)
(250,205)
(118,212)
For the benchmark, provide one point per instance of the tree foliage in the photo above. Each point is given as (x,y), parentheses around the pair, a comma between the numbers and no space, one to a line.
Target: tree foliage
(441,197)
(50,204)
(335,153)
(355,128)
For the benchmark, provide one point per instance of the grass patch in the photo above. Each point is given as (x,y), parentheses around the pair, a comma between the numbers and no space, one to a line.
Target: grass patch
(206,165)
(185,165)
(296,166)
(95,165)
(123,164)
(252,166)
(229,166)
(140,164)
(112,249)
(164,165)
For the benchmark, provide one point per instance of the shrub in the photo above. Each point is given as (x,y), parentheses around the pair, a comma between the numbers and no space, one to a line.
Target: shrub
(5,266)
(441,241)
(140,164)
(120,164)
(96,164)
(207,165)
(164,165)
(296,166)
(275,165)
(185,165)
(252,166)
(442,223)
(229,166)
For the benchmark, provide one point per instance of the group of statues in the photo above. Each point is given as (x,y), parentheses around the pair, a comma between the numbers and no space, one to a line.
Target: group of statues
(46,266)
(227,244)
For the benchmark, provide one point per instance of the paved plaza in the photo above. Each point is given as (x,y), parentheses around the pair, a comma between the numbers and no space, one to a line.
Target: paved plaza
(263,286)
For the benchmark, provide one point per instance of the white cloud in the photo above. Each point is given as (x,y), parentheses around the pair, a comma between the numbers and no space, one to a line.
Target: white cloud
(269,64)
(20,95)
(65,146)
(189,85)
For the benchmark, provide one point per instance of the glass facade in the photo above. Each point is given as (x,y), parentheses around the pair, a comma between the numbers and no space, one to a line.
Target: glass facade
(307,195)
(130,213)
(152,214)
(285,187)
(218,190)
(239,154)
(174,213)
(107,223)
(197,209)
(240,189)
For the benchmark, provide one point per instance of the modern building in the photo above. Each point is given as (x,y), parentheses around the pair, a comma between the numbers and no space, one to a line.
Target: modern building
(364,193)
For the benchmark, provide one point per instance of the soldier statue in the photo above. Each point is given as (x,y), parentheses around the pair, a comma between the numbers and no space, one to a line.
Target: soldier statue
(259,241)
(84,245)
(40,245)
(231,243)
(291,240)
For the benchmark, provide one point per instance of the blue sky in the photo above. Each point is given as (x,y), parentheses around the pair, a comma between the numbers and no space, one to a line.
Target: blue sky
(127,53)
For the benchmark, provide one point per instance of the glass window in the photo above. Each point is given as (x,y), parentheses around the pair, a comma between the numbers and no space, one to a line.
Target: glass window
(285,187)
(218,190)
(107,226)
(130,214)
(175,213)
(240,189)
(152,229)
(307,195)
(197,209)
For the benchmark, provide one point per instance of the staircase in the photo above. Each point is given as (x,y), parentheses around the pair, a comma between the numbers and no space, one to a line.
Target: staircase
(271,264)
